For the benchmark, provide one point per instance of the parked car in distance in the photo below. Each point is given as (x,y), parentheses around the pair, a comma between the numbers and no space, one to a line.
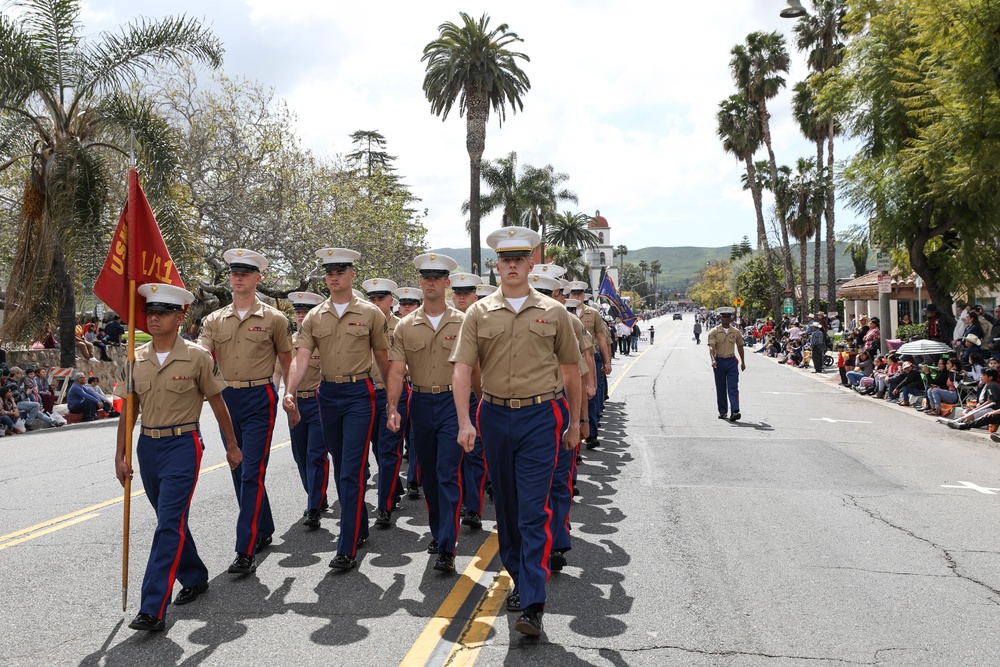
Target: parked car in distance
(678,316)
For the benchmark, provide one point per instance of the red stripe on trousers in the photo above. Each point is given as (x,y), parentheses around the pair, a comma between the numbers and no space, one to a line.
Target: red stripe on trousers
(547,551)
(361,472)
(171,577)
(263,468)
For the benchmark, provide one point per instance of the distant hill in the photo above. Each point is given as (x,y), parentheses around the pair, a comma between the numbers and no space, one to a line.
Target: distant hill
(680,264)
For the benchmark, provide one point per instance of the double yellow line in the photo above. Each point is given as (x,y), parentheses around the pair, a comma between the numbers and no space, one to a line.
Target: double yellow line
(85,514)
(432,646)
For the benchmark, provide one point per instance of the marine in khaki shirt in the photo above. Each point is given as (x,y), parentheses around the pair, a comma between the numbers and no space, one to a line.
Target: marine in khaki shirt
(520,352)
(595,324)
(345,343)
(247,348)
(426,352)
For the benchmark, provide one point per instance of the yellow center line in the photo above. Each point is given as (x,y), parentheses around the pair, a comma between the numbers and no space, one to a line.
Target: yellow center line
(48,530)
(428,640)
(66,520)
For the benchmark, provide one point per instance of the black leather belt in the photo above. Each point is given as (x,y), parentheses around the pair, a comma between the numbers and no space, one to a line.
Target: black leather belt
(246,384)
(719,356)
(341,379)
(169,431)
(517,403)
(436,389)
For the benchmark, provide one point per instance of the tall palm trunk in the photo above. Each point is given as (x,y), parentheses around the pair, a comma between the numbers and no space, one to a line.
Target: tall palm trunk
(803,272)
(762,244)
(67,310)
(831,268)
(817,229)
(477,111)
(765,124)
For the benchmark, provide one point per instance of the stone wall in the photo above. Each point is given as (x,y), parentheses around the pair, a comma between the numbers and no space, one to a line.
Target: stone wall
(108,372)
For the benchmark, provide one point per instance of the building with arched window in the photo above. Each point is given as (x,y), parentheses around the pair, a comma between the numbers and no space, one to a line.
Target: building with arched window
(597,258)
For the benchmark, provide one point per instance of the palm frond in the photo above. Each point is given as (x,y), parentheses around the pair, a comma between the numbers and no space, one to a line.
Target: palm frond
(54,29)
(122,58)
(22,71)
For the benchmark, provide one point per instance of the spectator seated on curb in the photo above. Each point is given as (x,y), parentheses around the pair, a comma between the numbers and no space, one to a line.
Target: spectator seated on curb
(864,369)
(990,393)
(10,416)
(114,330)
(941,387)
(94,387)
(890,371)
(84,348)
(911,385)
(80,401)
(31,411)
(45,391)
(92,336)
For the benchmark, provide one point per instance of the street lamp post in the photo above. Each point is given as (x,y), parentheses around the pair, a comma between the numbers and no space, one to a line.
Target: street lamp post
(793,10)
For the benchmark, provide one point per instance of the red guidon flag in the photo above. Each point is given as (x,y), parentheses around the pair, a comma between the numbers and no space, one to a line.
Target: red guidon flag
(137,253)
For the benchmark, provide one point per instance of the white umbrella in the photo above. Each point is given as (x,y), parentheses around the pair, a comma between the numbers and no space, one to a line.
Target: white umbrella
(924,347)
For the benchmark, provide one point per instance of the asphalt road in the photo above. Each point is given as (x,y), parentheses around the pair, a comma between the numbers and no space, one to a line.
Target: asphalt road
(823,529)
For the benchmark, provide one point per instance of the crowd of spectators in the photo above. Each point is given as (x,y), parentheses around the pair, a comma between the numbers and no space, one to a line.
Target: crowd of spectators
(27,402)
(91,338)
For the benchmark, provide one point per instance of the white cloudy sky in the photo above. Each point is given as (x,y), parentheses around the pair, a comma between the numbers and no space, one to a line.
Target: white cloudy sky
(623,99)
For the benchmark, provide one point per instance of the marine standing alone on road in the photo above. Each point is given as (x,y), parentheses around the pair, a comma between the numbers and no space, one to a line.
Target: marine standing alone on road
(172,379)
(423,341)
(525,345)
(349,334)
(723,343)
(248,337)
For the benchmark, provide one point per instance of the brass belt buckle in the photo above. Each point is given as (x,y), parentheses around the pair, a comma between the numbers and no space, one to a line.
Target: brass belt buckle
(155,435)
(515,403)
(435,389)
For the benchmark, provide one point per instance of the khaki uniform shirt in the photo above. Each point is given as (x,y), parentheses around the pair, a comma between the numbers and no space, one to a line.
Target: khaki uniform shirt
(246,349)
(582,336)
(519,353)
(390,323)
(724,344)
(345,343)
(593,323)
(426,351)
(313,374)
(174,393)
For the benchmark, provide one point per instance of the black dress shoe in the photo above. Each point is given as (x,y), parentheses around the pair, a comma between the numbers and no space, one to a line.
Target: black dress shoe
(489,490)
(342,562)
(723,415)
(361,541)
(514,600)
(579,458)
(445,563)
(557,561)
(413,492)
(432,548)
(190,594)
(473,521)
(383,519)
(324,506)
(530,624)
(735,417)
(244,564)
(311,520)
(592,443)
(263,543)
(147,622)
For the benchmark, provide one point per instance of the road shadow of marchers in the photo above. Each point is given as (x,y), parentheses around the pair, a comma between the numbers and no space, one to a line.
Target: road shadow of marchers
(579,591)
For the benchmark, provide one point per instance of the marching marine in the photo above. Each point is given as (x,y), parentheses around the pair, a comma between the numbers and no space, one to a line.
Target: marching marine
(172,378)
(247,338)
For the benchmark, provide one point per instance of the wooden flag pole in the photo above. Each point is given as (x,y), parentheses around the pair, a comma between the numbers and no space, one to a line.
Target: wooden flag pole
(129,421)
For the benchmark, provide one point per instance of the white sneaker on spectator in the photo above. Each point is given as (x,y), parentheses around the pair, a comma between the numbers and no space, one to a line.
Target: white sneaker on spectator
(94,360)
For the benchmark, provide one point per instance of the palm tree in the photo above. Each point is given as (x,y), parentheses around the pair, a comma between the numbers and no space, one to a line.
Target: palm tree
(822,34)
(813,128)
(471,65)
(643,268)
(756,68)
(506,190)
(67,112)
(803,219)
(542,195)
(569,230)
(654,271)
(620,252)
(741,133)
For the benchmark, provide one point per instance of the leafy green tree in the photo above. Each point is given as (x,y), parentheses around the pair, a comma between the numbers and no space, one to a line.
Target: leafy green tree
(471,65)
(741,133)
(821,34)
(630,278)
(711,285)
(921,82)
(369,151)
(67,117)
(750,280)
(757,68)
